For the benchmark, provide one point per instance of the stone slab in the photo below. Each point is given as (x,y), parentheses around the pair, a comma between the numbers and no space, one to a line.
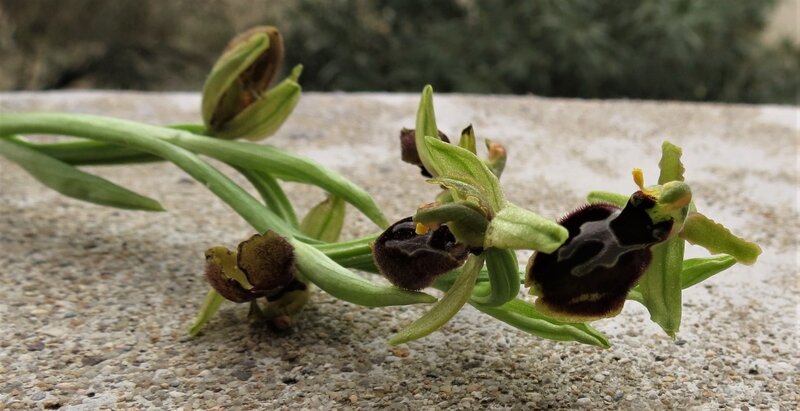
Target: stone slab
(95,302)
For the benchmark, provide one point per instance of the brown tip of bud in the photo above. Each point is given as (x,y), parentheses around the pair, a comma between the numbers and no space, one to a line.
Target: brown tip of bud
(413,261)
(267,260)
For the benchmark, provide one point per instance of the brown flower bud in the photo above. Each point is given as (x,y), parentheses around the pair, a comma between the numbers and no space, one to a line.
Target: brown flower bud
(262,267)
(412,260)
(408,149)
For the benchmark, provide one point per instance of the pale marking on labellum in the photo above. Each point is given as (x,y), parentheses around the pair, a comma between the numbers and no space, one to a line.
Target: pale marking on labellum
(597,232)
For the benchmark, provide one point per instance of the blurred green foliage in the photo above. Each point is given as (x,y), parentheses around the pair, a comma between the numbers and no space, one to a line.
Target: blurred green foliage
(704,50)
(666,49)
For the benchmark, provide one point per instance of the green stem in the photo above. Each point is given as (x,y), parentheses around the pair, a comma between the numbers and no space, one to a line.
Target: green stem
(272,193)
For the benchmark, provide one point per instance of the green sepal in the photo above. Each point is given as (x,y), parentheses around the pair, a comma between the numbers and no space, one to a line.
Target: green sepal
(210,307)
(343,284)
(227,70)
(325,220)
(661,285)
(504,280)
(441,312)
(266,115)
(618,200)
(714,237)
(461,165)
(519,229)
(426,127)
(73,182)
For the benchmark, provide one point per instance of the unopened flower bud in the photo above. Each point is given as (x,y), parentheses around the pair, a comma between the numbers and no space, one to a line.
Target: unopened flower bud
(412,258)
(497,157)
(236,99)
(262,267)
(408,149)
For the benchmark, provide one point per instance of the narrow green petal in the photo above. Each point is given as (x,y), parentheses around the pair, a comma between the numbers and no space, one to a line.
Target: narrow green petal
(73,182)
(670,164)
(697,270)
(705,232)
(452,301)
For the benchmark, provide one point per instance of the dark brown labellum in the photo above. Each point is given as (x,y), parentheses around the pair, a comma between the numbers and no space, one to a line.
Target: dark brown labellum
(608,249)
(408,149)
(263,266)
(219,281)
(267,260)
(413,261)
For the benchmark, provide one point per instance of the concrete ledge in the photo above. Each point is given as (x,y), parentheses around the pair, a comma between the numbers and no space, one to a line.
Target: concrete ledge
(95,302)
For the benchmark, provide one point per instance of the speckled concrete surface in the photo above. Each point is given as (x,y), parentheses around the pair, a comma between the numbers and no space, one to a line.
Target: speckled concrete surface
(95,302)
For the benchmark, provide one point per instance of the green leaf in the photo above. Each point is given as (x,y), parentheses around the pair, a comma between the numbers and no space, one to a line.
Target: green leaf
(426,127)
(697,270)
(607,197)
(670,164)
(516,228)
(705,232)
(343,284)
(661,285)
(458,164)
(210,307)
(452,301)
(325,220)
(524,316)
(153,140)
(504,280)
(72,182)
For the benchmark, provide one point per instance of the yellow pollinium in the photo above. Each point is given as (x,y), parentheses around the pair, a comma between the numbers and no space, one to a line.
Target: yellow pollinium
(672,198)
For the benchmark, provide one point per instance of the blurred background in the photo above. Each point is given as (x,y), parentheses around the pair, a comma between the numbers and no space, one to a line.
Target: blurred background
(699,50)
